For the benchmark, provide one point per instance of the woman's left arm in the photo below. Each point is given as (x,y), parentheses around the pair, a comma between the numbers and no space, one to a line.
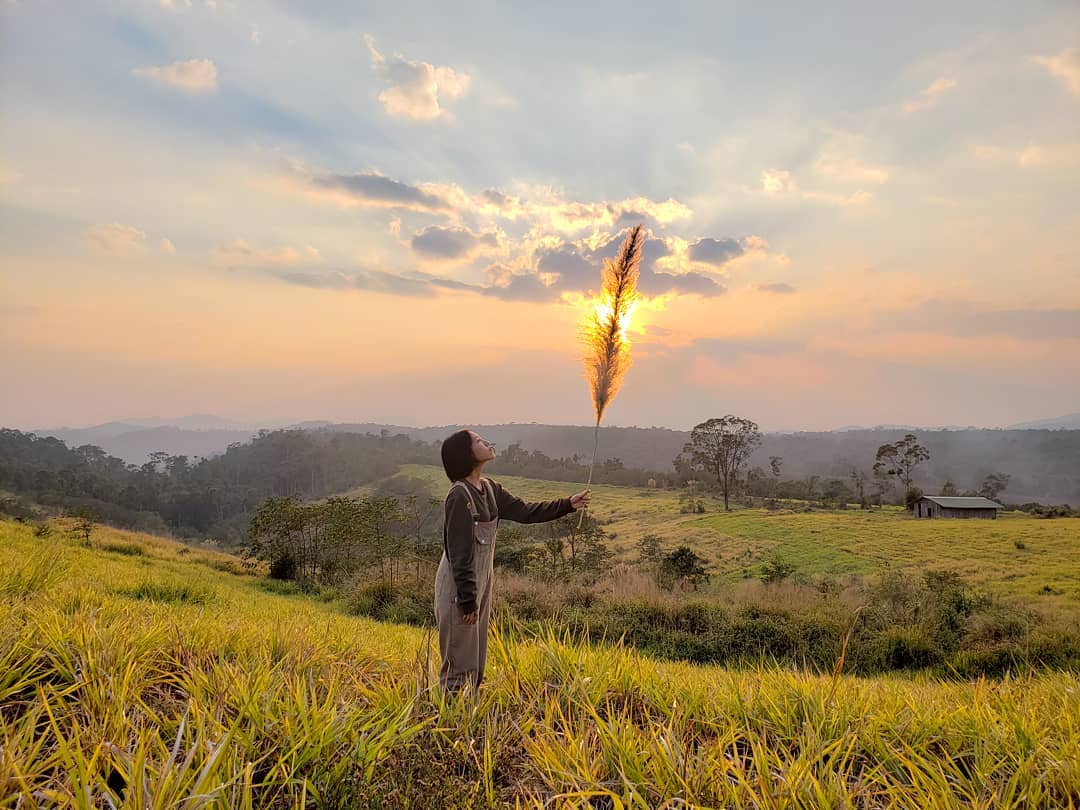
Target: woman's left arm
(513,508)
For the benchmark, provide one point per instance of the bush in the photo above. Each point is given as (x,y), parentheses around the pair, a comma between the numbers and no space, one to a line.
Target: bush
(906,648)
(776,569)
(998,625)
(401,604)
(579,597)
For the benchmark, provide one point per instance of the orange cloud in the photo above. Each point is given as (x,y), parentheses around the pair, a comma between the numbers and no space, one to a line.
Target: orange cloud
(1065,66)
(192,76)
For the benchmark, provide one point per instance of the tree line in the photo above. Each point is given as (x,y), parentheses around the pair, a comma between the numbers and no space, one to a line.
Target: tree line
(719,450)
(206,497)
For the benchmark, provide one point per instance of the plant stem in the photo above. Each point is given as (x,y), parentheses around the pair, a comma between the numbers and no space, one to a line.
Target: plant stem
(595,444)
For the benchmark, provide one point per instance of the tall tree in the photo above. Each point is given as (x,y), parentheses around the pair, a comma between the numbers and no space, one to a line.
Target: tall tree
(994,484)
(900,458)
(721,446)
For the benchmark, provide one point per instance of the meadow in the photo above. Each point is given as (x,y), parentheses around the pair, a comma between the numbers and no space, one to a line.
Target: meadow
(138,672)
(1017,555)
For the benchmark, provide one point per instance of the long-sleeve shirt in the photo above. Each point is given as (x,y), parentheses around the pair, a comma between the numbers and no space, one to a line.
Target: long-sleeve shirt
(458,538)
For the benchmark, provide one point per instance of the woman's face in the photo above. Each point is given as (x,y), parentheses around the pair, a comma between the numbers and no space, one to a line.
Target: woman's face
(482,449)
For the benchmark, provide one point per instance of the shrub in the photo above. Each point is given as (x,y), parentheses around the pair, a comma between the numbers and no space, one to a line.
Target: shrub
(776,569)
(907,648)
(401,604)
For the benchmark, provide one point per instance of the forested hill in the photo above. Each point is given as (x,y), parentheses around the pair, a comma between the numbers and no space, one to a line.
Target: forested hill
(1044,465)
(208,497)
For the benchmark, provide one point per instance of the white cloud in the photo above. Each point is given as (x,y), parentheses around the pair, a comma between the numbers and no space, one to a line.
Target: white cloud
(781,182)
(417,90)
(545,209)
(115,239)
(167,246)
(840,160)
(777,181)
(931,95)
(193,75)
(176,4)
(1065,66)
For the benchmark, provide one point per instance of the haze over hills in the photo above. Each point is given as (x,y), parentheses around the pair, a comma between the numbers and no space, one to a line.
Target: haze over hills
(1068,422)
(1044,463)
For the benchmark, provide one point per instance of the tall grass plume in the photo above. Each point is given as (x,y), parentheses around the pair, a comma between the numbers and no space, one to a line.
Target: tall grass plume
(607,354)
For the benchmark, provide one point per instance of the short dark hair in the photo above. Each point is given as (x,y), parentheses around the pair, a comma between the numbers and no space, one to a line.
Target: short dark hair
(457,455)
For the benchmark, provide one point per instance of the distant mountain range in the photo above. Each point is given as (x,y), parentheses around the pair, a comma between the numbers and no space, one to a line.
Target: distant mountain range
(208,435)
(1068,422)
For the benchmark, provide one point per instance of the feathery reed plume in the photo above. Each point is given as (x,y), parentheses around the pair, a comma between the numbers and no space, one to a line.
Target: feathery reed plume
(607,356)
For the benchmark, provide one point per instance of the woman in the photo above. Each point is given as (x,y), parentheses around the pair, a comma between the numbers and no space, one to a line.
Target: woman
(474,507)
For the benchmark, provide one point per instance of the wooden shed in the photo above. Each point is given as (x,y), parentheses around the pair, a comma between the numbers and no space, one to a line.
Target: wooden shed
(944,506)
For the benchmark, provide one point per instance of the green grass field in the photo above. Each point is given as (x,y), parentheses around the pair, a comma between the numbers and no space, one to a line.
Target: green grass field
(836,543)
(140,673)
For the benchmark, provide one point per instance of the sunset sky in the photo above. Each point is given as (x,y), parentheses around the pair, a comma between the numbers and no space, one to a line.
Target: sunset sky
(394,211)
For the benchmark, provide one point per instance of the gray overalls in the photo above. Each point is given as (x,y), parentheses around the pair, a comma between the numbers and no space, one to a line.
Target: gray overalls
(464,646)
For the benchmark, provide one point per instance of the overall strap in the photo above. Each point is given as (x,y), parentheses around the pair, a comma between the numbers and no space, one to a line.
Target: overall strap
(468,497)
(489,493)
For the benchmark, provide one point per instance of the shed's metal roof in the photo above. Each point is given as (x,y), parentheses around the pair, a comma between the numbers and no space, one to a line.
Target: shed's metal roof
(952,502)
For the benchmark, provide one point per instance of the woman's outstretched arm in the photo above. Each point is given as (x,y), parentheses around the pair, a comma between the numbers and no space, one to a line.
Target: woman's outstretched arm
(513,508)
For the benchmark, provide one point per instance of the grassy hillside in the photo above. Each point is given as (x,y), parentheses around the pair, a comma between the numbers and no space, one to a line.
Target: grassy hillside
(1015,555)
(139,673)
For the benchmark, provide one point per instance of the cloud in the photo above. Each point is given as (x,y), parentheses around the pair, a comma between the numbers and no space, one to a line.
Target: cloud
(931,95)
(840,160)
(1057,155)
(557,246)
(575,267)
(167,246)
(777,181)
(417,90)
(374,190)
(239,252)
(780,288)
(1065,66)
(716,252)
(855,198)
(544,209)
(369,280)
(453,243)
(653,283)
(839,173)
(115,239)
(547,208)
(192,76)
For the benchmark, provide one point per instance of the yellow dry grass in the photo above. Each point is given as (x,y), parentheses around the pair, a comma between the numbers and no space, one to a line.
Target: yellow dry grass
(155,681)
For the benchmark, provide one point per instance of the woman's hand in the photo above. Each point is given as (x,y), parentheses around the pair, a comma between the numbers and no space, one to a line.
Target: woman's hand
(471,618)
(581,499)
